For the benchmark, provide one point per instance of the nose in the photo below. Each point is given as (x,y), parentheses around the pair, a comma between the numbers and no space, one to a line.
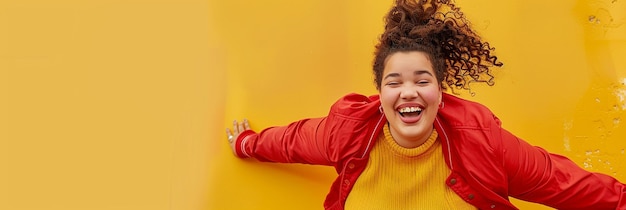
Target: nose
(408,93)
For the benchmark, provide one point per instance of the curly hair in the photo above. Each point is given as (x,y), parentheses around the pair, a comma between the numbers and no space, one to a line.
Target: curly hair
(439,29)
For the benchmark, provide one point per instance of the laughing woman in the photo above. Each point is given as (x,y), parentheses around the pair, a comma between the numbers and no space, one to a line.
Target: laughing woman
(413,146)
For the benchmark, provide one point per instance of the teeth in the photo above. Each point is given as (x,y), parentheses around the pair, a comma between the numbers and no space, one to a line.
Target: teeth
(410,109)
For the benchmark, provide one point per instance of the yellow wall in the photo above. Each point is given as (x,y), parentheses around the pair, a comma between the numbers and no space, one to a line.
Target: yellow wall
(123,104)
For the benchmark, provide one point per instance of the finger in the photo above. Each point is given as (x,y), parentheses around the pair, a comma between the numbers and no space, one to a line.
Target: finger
(246,125)
(240,125)
(229,136)
(235,127)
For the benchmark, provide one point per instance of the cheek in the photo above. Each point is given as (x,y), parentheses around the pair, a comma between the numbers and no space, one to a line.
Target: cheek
(431,96)
(387,96)
(387,99)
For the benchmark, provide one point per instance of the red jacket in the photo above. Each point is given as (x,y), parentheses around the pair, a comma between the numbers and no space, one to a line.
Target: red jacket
(488,164)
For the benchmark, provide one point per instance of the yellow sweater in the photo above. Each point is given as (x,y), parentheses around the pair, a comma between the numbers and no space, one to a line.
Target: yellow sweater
(404,178)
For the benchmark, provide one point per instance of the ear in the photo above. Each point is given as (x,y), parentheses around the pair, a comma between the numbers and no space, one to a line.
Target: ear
(440,95)
(440,98)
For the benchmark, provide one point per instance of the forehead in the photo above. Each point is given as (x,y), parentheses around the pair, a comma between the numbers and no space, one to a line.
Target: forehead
(407,61)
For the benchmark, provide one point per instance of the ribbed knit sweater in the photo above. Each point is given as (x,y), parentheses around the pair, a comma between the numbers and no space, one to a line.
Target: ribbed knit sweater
(404,178)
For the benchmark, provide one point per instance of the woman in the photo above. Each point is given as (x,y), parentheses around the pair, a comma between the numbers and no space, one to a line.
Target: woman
(413,146)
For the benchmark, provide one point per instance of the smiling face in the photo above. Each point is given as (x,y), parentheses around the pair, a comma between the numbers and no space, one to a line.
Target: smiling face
(410,95)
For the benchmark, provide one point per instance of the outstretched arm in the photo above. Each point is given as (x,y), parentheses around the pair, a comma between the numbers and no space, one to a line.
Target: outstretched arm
(538,176)
(302,141)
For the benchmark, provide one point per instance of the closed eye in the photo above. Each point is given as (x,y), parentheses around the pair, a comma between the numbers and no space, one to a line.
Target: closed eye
(392,83)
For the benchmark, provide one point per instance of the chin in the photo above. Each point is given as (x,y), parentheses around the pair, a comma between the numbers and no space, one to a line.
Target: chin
(411,131)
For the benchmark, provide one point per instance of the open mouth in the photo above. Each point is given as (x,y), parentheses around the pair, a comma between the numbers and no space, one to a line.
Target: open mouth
(410,111)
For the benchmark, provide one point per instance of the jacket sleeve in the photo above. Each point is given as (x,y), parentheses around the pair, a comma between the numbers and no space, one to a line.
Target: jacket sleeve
(303,141)
(538,176)
(318,141)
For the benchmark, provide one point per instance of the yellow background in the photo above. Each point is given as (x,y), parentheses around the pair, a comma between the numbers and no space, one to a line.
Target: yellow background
(114,105)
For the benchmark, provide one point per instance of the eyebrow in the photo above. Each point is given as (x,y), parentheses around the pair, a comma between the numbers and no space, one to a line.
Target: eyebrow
(417,72)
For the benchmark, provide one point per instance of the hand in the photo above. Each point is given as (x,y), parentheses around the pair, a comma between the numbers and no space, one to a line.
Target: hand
(237,129)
